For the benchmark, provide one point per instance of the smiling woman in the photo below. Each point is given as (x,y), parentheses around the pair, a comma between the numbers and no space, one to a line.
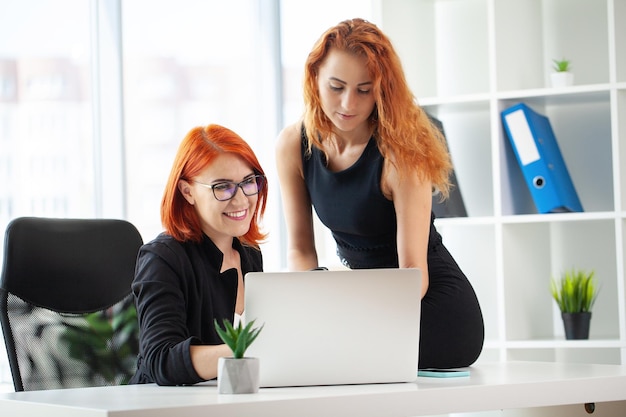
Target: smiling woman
(192,274)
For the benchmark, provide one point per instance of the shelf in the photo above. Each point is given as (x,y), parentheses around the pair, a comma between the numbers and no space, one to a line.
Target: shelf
(535,32)
(558,217)
(566,344)
(467,61)
(541,96)
(529,218)
(559,96)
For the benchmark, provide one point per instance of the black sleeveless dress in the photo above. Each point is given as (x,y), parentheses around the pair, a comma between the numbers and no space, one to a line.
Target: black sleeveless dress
(363,223)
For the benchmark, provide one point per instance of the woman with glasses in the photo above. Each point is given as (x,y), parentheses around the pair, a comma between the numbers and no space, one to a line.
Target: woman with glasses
(192,273)
(367,158)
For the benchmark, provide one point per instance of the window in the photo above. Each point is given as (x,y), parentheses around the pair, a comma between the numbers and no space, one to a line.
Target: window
(46,151)
(189,63)
(95,97)
(46,146)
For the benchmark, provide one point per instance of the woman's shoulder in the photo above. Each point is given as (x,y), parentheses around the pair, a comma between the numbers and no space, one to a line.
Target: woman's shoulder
(291,135)
(179,255)
(164,246)
(289,149)
(163,239)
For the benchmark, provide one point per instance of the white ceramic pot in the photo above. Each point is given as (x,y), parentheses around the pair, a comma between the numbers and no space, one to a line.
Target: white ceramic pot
(562,79)
(238,376)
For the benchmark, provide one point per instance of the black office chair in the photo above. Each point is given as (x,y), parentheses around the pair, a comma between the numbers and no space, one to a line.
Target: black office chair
(66,307)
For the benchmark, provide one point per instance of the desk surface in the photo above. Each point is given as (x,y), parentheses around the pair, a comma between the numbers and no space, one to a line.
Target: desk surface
(491,386)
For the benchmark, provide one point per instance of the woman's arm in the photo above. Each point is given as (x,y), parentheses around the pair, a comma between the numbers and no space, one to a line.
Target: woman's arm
(412,199)
(301,253)
(171,354)
(204,359)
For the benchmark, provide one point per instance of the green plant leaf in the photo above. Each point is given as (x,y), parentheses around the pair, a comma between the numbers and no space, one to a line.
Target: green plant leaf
(576,291)
(237,339)
(226,336)
(105,341)
(561,65)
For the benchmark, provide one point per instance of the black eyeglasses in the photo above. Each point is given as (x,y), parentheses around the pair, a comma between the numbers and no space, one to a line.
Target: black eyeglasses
(226,190)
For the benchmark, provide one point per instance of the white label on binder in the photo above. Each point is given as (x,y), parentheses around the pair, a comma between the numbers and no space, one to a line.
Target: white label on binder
(522,137)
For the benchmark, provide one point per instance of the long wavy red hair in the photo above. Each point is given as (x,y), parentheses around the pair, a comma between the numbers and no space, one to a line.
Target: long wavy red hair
(198,150)
(401,127)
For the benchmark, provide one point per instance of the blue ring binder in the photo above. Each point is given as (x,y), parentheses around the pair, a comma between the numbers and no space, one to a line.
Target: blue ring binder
(540,159)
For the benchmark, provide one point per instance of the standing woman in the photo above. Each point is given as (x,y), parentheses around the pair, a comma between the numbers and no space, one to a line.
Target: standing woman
(367,158)
(192,273)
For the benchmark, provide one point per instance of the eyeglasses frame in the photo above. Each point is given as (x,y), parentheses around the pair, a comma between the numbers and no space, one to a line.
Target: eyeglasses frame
(237,185)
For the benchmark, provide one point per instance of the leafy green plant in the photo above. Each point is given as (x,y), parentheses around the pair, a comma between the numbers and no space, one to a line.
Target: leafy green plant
(107,342)
(238,339)
(576,291)
(562,65)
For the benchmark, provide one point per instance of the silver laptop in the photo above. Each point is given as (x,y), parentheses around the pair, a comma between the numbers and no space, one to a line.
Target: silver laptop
(335,327)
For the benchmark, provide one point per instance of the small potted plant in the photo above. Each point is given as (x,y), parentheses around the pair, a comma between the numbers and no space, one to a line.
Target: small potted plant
(562,76)
(575,293)
(238,374)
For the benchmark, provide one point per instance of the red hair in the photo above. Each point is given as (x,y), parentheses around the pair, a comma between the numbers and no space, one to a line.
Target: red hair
(199,149)
(401,127)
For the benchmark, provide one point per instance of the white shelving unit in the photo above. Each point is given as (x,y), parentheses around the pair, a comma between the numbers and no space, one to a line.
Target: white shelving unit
(466,61)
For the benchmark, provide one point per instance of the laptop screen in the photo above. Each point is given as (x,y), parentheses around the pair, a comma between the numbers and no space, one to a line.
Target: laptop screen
(335,327)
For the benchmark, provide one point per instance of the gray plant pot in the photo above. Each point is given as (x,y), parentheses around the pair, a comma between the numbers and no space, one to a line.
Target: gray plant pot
(238,376)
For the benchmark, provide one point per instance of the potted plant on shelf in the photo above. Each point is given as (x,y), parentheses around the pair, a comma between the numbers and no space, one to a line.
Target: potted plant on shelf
(238,374)
(562,76)
(575,293)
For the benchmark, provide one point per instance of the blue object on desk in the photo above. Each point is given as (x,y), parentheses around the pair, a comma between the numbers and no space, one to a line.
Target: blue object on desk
(540,159)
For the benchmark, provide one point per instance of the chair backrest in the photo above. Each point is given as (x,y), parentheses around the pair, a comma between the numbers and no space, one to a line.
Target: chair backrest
(66,307)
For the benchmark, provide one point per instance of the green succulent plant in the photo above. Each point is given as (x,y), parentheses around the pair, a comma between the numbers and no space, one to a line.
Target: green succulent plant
(237,338)
(562,65)
(576,291)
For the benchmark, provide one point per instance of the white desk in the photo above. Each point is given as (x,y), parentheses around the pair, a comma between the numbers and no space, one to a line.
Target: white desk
(491,386)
